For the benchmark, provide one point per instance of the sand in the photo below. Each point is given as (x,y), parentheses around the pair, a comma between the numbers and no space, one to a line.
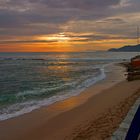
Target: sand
(93,115)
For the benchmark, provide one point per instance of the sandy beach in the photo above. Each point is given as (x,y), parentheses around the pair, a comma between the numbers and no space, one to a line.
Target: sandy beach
(93,115)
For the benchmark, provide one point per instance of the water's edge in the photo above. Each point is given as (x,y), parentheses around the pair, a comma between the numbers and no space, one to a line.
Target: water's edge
(30,106)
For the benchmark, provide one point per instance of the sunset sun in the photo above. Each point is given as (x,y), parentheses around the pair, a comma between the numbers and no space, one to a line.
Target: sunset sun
(61,37)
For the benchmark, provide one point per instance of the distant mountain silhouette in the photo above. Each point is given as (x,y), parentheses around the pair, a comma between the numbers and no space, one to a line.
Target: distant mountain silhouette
(129,48)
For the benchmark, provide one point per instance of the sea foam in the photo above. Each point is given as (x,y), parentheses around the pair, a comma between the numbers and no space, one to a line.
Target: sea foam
(26,107)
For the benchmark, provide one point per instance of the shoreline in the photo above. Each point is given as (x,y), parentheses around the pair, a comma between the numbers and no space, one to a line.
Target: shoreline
(45,103)
(58,118)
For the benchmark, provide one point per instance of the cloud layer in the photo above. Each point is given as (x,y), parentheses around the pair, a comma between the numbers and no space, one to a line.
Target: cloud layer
(101,18)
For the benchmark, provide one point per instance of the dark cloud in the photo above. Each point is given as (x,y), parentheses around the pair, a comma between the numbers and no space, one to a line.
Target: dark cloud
(94,37)
(112,21)
(38,17)
(81,4)
(73,38)
(10,19)
(27,41)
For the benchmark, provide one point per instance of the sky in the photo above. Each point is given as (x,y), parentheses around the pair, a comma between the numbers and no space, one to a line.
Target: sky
(67,25)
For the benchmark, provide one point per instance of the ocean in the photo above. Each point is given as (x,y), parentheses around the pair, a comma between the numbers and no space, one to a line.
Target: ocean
(31,80)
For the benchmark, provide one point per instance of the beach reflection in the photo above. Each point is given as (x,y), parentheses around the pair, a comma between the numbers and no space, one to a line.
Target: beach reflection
(68,104)
(61,67)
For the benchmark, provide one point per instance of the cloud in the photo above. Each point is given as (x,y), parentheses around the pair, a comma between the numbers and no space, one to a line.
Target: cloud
(26,41)
(80,4)
(70,37)
(44,17)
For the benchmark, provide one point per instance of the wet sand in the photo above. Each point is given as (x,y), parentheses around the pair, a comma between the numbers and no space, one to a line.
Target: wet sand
(94,114)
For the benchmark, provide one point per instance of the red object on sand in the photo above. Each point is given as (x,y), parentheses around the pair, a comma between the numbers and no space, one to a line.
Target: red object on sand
(135,63)
(134,69)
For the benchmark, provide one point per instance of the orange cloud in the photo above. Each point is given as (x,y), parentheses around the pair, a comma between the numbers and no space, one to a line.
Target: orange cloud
(64,42)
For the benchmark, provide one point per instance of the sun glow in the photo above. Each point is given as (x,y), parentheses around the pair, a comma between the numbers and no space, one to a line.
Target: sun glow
(61,37)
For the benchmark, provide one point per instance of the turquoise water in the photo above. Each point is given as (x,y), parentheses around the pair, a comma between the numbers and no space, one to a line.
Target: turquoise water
(31,80)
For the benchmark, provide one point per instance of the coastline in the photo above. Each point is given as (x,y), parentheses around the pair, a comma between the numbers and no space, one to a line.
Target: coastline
(106,71)
(60,119)
(35,105)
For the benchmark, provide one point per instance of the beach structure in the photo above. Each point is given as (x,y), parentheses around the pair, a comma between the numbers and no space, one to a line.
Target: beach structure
(129,128)
(134,69)
(134,130)
(135,62)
